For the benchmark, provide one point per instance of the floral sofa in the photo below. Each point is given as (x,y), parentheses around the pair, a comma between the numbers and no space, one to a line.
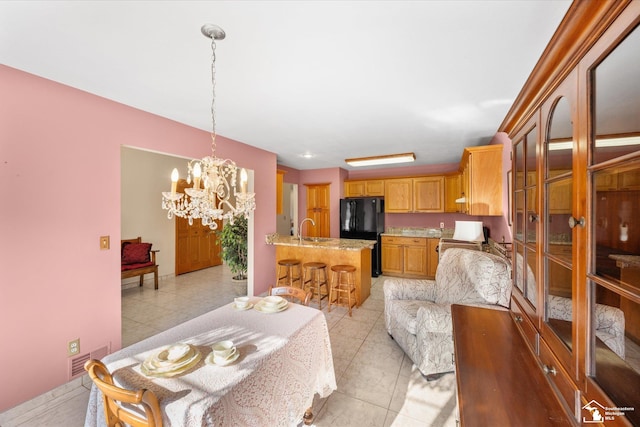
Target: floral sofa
(418,312)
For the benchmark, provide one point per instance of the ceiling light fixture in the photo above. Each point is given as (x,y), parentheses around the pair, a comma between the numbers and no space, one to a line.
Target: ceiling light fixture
(381,160)
(214,179)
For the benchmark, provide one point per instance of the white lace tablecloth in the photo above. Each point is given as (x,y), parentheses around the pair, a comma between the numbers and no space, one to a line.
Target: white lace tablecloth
(285,359)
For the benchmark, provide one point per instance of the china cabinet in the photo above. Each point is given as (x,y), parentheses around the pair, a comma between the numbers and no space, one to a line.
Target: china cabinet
(575,129)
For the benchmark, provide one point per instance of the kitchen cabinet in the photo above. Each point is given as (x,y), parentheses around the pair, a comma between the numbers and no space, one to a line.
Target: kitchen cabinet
(409,256)
(432,257)
(452,192)
(482,180)
(414,194)
(318,209)
(364,188)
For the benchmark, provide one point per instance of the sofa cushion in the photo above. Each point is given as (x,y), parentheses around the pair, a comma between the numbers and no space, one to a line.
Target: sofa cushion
(127,267)
(136,253)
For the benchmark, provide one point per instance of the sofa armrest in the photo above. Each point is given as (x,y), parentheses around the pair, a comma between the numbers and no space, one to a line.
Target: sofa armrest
(414,289)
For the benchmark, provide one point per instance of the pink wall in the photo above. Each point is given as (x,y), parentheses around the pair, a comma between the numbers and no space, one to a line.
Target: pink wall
(60,169)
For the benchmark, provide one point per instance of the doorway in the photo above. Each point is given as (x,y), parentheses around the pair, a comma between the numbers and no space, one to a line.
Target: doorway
(286,223)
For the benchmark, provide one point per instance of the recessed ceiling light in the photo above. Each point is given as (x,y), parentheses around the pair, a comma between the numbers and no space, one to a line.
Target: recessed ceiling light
(307,155)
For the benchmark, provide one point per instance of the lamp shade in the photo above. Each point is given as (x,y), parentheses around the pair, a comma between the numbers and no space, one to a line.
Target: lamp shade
(469,230)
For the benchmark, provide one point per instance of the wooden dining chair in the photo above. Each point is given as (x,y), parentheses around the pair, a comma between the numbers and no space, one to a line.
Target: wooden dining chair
(289,292)
(119,403)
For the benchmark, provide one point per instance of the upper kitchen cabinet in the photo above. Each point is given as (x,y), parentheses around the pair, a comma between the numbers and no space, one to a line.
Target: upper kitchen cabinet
(481,169)
(452,192)
(414,195)
(364,188)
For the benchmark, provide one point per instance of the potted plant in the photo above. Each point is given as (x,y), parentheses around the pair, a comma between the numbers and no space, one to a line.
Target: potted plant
(233,240)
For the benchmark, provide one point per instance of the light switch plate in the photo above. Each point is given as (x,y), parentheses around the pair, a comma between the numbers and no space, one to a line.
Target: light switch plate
(104,242)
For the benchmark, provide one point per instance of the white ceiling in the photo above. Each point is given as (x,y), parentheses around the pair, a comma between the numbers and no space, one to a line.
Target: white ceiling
(335,79)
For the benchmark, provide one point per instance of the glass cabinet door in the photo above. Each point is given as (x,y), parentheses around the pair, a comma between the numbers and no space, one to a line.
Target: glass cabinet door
(613,273)
(558,183)
(526,215)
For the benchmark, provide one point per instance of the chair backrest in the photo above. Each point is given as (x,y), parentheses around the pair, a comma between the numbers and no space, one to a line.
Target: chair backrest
(136,240)
(472,277)
(292,293)
(119,403)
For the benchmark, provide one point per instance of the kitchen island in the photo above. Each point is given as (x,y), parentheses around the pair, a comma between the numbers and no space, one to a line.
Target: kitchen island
(332,252)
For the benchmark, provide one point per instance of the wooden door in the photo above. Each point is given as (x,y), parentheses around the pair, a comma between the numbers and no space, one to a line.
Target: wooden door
(197,246)
(318,209)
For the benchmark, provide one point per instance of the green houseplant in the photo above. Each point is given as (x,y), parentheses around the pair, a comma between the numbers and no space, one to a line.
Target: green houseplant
(233,240)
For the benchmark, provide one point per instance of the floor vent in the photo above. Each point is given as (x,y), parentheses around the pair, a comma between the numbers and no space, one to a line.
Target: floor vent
(76,365)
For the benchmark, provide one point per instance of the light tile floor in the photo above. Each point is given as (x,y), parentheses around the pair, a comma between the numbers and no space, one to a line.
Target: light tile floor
(377,384)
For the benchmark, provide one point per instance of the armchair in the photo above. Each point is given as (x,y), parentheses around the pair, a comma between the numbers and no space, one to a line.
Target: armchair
(418,312)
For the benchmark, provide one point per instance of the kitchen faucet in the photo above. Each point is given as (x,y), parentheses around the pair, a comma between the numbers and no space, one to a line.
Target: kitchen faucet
(300,228)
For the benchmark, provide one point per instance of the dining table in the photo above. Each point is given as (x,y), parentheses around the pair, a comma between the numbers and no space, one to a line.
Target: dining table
(284,360)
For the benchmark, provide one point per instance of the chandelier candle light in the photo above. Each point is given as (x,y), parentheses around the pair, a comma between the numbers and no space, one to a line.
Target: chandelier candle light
(213,195)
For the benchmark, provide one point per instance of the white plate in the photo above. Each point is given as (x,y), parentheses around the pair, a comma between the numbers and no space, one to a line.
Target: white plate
(246,307)
(174,353)
(151,368)
(267,309)
(210,360)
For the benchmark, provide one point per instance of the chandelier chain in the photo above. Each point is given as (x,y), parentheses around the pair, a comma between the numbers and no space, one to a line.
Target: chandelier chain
(213,95)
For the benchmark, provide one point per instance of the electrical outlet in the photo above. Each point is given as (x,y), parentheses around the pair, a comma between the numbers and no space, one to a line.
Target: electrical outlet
(442,225)
(73,347)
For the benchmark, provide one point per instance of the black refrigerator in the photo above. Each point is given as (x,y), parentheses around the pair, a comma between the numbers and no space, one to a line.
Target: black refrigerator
(363,218)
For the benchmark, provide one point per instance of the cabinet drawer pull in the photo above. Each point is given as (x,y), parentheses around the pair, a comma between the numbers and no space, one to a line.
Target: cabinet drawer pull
(533,217)
(549,370)
(518,318)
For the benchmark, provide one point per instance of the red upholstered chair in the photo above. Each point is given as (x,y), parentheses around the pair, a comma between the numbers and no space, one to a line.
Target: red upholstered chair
(137,259)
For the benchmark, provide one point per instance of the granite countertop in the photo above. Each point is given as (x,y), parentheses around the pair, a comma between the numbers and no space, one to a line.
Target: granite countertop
(320,242)
(433,233)
(626,261)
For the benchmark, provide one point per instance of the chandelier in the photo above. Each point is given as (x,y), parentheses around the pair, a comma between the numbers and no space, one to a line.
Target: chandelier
(213,195)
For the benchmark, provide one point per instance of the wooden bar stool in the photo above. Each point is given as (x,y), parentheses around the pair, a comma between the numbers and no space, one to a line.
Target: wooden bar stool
(314,276)
(289,272)
(341,291)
